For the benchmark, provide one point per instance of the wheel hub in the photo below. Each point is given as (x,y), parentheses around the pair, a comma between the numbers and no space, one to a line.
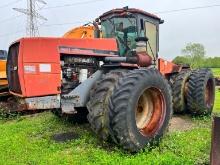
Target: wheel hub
(208,94)
(150,111)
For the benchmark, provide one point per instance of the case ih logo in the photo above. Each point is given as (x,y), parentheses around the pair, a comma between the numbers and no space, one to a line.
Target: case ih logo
(87,52)
(43,68)
(29,69)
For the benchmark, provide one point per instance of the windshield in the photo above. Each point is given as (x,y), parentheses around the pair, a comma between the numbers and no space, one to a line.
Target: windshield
(3,55)
(124,30)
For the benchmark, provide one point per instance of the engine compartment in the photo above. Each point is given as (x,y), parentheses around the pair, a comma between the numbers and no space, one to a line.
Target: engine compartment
(75,70)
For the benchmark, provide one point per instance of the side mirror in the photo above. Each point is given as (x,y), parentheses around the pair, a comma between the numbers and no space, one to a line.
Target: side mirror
(97,30)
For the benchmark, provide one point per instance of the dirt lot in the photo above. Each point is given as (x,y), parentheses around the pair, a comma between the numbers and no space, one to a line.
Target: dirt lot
(181,123)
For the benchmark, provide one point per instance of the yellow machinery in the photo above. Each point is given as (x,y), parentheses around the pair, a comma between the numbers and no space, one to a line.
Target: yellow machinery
(81,32)
(3,77)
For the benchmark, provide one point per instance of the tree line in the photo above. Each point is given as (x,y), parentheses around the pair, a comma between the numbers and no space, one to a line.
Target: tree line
(194,54)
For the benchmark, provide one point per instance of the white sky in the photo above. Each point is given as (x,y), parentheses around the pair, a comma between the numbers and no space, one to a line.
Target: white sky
(200,25)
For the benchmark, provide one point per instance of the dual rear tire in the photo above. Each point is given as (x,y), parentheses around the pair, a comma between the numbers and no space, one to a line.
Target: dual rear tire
(179,86)
(201,92)
(193,92)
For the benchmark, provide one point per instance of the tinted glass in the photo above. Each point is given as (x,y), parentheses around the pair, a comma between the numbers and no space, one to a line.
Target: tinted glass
(124,30)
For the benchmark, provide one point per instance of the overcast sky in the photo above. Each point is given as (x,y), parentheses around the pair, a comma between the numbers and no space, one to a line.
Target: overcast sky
(201,25)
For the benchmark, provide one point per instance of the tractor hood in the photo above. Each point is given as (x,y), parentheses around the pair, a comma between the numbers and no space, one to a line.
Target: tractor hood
(34,65)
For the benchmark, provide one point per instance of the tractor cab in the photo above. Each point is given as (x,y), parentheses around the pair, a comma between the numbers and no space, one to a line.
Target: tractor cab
(127,25)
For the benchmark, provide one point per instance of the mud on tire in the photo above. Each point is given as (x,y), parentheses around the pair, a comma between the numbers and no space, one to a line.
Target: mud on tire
(98,104)
(140,109)
(201,92)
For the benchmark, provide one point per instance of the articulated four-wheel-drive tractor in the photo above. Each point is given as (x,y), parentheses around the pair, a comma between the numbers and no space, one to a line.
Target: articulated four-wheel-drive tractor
(130,93)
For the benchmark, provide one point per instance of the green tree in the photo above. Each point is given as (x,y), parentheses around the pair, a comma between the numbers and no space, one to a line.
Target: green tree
(181,60)
(195,52)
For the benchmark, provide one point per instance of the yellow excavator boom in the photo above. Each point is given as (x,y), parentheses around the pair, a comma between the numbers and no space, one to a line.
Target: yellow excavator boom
(3,77)
(81,32)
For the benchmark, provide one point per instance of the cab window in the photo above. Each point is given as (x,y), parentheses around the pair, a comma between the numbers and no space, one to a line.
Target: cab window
(151,34)
(124,30)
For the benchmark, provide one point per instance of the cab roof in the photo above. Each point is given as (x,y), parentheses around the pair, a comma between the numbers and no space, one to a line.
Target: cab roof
(122,11)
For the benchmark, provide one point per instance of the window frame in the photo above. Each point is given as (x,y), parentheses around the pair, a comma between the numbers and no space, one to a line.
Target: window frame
(157,35)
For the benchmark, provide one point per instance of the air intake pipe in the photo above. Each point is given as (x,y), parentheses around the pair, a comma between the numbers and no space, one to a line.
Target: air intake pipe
(141,59)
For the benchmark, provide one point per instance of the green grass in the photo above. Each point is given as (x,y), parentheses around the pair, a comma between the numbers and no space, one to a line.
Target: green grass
(27,140)
(216,71)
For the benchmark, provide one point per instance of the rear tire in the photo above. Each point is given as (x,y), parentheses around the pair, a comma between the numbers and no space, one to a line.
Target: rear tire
(140,109)
(179,91)
(201,92)
(98,104)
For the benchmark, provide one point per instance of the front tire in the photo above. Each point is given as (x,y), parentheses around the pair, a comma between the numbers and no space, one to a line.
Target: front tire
(98,103)
(140,109)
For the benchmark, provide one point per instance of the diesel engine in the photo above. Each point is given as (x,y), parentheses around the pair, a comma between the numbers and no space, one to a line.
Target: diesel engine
(75,70)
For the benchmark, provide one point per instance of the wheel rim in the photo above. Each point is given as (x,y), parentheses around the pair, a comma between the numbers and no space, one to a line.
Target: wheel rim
(150,111)
(209,99)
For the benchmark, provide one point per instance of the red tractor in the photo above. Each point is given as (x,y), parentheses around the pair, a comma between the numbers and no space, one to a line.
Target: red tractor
(129,92)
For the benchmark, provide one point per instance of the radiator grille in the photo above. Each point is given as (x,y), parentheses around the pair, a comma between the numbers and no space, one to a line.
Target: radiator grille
(12,69)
